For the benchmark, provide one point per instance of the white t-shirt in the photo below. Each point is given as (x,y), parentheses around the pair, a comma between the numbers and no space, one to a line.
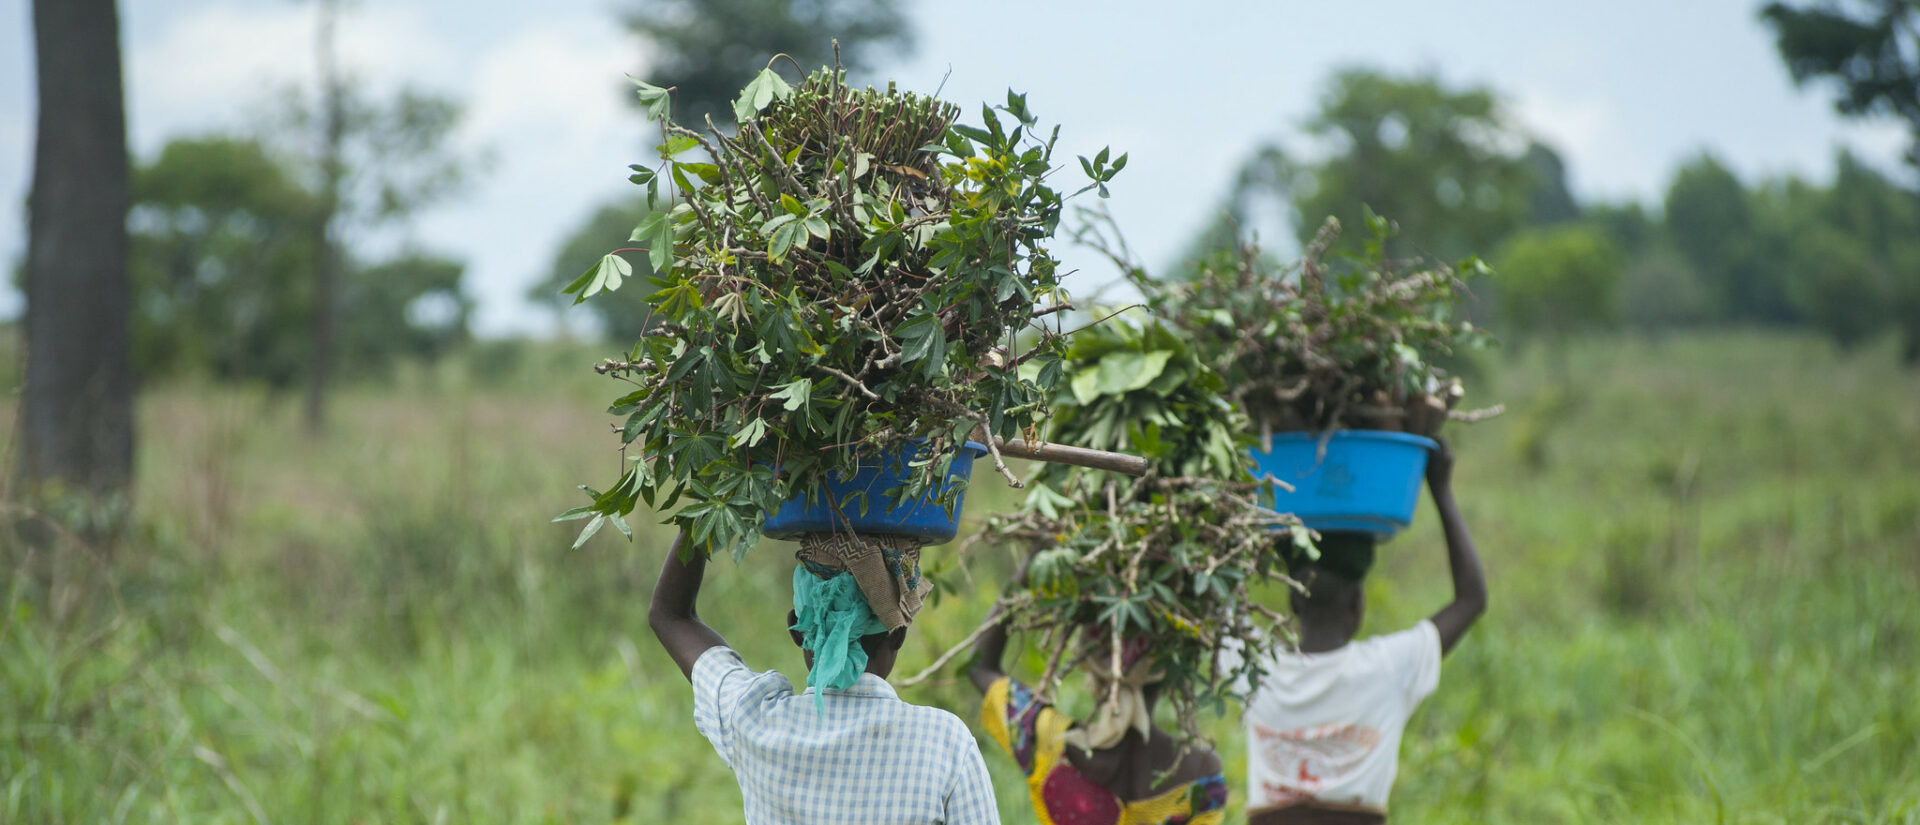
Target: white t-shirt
(1326,726)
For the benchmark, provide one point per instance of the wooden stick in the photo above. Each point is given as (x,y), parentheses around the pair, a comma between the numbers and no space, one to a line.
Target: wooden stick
(1132,465)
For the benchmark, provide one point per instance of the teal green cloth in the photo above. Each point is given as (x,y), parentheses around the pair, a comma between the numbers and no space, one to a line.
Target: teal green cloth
(831,615)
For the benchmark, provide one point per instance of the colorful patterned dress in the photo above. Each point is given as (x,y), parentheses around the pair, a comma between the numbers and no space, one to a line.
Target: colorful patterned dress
(1030,730)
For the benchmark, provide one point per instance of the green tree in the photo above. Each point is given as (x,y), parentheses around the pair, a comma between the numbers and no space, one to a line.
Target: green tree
(1550,201)
(621,316)
(1659,289)
(1659,292)
(370,161)
(709,49)
(1445,164)
(222,256)
(222,273)
(1626,224)
(411,305)
(1855,253)
(1886,216)
(1710,219)
(1869,48)
(1842,289)
(1559,280)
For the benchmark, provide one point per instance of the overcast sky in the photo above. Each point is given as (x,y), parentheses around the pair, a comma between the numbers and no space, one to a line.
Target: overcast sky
(1626,91)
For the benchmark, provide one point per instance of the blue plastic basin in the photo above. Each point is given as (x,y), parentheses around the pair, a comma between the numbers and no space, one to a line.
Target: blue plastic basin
(1368,480)
(837,509)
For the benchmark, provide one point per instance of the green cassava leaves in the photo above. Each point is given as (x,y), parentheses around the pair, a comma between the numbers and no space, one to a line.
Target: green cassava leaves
(1343,341)
(827,286)
(658,101)
(766,87)
(605,275)
(1167,558)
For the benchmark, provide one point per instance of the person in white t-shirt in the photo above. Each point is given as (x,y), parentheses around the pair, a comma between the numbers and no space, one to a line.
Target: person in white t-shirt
(1324,724)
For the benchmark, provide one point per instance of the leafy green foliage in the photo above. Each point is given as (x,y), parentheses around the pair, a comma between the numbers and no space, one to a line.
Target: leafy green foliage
(1141,388)
(1710,219)
(1854,254)
(1168,558)
(845,273)
(221,273)
(1557,281)
(1838,258)
(1348,341)
(409,305)
(219,263)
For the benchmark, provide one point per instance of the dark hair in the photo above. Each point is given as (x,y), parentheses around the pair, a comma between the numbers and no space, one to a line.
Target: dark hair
(1344,553)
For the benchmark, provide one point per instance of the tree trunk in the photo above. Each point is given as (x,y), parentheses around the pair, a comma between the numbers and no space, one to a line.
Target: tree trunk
(326,268)
(76,420)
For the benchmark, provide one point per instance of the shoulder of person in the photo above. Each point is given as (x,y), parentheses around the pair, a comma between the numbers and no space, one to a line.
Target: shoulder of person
(1421,631)
(943,724)
(717,661)
(722,669)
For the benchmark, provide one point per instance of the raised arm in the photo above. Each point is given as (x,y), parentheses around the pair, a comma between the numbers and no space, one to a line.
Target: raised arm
(1469,583)
(991,648)
(672,615)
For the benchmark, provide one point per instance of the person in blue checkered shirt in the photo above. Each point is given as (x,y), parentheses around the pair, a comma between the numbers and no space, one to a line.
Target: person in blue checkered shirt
(846,750)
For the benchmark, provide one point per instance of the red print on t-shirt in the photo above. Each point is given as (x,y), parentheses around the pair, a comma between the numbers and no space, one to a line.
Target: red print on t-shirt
(1319,754)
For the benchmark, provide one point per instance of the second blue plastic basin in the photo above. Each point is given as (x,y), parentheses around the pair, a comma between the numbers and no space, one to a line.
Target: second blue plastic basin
(1368,480)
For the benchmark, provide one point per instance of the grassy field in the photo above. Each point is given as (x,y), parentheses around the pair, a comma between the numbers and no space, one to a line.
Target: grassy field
(1703,554)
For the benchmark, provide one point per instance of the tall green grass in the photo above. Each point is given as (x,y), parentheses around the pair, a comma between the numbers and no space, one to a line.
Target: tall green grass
(1703,556)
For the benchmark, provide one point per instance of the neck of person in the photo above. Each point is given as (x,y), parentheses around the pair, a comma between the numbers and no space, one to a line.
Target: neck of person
(881,666)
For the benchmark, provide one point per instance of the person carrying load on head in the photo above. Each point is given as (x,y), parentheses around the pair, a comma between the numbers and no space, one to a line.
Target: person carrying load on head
(1116,768)
(846,750)
(1324,723)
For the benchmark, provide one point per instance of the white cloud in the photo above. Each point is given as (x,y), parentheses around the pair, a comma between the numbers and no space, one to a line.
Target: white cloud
(204,61)
(1571,125)
(207,67)
(561,76)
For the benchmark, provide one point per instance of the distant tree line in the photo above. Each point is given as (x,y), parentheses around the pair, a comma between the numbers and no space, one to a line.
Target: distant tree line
(1451,168)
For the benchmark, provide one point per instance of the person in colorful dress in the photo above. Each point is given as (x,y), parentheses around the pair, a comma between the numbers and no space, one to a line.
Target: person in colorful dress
(1324,723)
(1117,768)
(847,750)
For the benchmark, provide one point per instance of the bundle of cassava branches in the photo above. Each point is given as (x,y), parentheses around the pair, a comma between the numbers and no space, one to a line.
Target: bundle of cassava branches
(847,272)
(1167,559)
(1349,341)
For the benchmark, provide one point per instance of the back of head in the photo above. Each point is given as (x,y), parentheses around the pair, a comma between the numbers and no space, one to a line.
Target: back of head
(1333,581)
(853,597)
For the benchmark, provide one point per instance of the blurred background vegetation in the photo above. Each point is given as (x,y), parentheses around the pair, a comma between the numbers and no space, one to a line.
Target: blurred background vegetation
(1699,515)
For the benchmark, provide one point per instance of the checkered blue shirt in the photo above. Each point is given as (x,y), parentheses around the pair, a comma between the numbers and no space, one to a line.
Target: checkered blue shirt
(871,759)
